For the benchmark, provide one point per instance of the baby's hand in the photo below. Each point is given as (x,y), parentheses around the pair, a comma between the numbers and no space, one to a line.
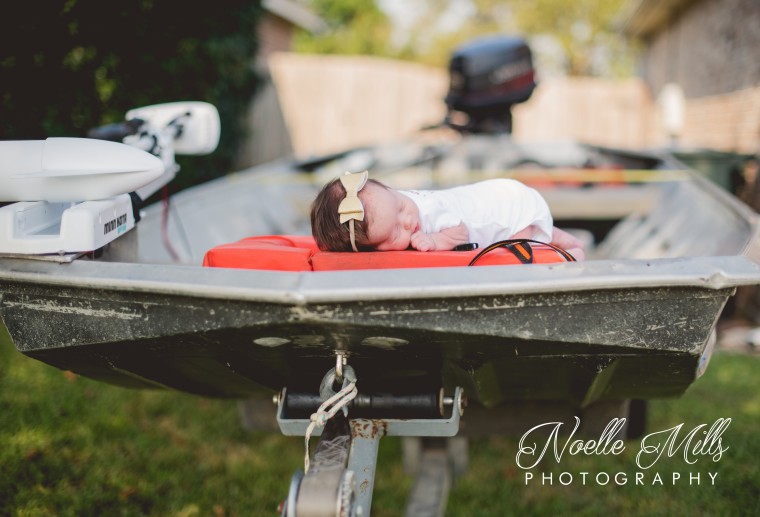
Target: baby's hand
(446,239)
(422,241)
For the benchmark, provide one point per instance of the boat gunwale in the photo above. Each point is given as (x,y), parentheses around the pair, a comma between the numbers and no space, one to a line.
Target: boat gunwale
(311,287)
(304,288)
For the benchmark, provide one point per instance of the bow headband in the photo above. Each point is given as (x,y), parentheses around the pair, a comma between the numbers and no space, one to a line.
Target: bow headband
(351,207)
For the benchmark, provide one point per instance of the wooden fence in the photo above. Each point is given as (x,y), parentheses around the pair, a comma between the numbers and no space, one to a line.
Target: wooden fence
(312,105)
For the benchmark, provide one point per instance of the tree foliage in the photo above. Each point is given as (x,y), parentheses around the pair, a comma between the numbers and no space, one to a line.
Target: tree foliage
(354,27)
(69,65)
(579,35)
(585,29)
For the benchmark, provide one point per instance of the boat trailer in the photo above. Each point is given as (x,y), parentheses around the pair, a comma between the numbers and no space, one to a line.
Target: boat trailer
(647,302)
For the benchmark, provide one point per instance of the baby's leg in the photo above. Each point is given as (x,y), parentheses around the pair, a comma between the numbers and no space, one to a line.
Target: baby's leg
(525,233)
(569,243)
(577,254)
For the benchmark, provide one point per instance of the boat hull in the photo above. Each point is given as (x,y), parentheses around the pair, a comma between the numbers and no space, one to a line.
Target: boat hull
(500,337)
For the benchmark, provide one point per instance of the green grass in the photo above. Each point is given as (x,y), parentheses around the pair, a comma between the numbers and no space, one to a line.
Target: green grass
(71,446)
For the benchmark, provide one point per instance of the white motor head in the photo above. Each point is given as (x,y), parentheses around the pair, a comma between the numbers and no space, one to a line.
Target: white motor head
(199,123)
(72,169)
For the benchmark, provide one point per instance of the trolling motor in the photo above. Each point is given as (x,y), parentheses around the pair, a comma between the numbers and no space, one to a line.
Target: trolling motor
(69,196)
(487,77)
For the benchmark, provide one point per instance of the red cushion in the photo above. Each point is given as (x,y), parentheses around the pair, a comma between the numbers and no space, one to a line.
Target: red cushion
(271,252)
(328,261)
(300,253)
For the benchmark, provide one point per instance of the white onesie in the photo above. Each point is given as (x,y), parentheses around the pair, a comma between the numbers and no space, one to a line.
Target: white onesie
(492,210)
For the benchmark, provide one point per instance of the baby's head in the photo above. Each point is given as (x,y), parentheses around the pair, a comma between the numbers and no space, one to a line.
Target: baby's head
(328,231)
(389,219)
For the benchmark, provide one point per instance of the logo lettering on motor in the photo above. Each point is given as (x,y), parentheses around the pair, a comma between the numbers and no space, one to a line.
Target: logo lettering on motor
(120,223)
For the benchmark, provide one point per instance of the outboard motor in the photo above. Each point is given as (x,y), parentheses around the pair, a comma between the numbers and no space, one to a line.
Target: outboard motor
(487,77)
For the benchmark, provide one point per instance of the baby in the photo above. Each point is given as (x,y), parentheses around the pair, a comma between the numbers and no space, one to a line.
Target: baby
(354,212)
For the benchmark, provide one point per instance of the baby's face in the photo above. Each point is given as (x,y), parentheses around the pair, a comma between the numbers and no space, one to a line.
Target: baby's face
(392,218)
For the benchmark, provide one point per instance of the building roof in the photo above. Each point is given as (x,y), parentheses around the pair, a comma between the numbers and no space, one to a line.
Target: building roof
(295,13)
(641,18)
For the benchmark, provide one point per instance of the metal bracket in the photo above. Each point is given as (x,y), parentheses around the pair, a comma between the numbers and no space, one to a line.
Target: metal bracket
(352,490)
(390,426)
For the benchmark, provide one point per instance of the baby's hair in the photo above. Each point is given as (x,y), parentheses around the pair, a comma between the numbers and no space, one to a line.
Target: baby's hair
(325,222)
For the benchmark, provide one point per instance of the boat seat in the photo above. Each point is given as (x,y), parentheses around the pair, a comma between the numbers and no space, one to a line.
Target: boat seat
(677,226)
(300,253)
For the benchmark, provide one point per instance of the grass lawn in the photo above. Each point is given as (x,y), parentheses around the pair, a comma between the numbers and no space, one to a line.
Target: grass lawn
(71,446)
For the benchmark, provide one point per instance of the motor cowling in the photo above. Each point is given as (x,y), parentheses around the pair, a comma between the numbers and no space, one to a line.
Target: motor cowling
(487,77)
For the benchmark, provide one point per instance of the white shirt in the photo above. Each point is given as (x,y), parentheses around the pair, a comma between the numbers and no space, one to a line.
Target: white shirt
(492,210)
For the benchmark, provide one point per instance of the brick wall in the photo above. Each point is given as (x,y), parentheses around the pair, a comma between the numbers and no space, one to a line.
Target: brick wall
(729,122)
(712,50)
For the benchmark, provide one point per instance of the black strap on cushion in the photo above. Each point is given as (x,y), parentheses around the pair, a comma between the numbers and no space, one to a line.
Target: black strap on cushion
(521,249)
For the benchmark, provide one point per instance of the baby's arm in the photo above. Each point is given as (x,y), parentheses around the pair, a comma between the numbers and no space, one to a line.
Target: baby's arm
(446,239)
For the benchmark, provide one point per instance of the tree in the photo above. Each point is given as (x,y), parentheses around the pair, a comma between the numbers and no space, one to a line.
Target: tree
(71,65)
(354,27)
(583,31)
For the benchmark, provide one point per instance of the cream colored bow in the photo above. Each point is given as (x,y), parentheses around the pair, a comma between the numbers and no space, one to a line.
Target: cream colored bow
(351,207)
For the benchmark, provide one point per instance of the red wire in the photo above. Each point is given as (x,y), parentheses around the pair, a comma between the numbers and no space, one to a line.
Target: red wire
(165,223)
